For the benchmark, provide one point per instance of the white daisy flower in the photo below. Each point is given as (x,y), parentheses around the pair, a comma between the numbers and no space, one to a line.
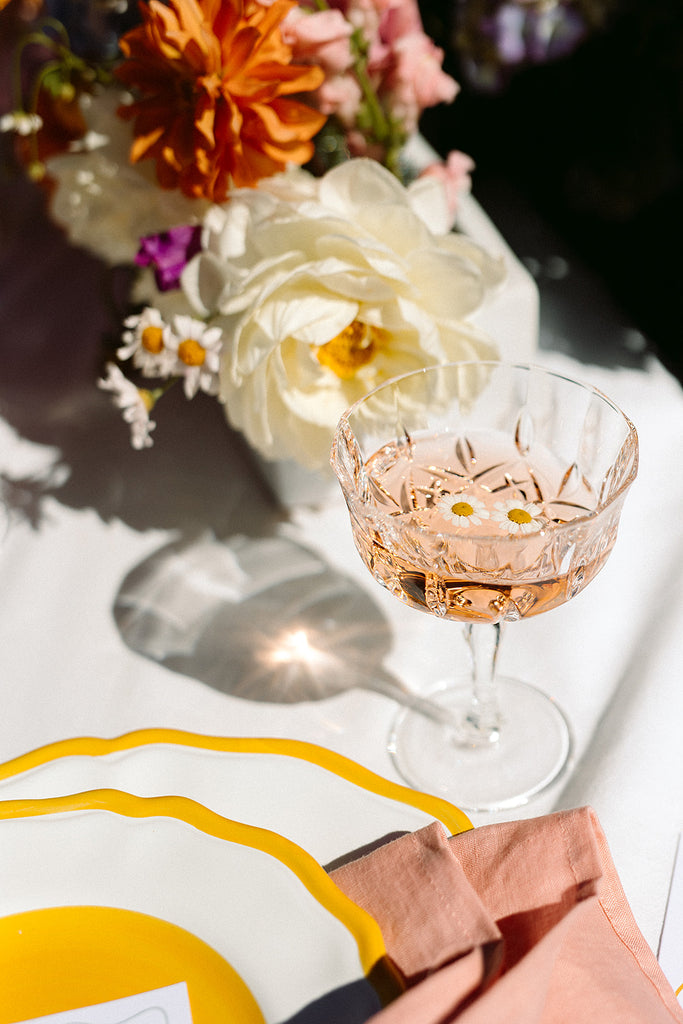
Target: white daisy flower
(197,348)
(134,403)
(145,343)
(463,510)
(90,141)
(21,122)
(518,516)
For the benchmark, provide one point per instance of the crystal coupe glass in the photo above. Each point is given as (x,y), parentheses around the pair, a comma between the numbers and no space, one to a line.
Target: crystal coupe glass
(484,493)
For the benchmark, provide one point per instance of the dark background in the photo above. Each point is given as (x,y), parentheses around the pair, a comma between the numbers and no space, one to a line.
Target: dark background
(579,154)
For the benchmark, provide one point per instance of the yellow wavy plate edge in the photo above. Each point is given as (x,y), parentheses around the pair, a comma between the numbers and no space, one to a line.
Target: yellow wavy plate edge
(448,814)
(361,926)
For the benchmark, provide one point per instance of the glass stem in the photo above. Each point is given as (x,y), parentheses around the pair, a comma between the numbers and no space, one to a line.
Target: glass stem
(483,717)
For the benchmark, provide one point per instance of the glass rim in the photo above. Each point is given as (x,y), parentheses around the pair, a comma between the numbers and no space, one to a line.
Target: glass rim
(631,436)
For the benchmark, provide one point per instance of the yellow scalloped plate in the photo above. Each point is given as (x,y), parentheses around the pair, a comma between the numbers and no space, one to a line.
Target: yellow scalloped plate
(159,890)
(324,802)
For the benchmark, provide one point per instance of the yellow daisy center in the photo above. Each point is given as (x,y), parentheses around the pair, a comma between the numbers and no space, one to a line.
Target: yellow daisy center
(191,352)
(462,508)
(519,516)
(147,398)
(152,339)
(352,349)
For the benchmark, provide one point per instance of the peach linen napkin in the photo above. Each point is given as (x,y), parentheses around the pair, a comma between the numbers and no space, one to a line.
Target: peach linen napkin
(521,922)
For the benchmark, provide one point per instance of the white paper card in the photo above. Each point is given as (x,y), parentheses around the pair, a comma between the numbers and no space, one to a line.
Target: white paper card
(169,1005)
(671,941)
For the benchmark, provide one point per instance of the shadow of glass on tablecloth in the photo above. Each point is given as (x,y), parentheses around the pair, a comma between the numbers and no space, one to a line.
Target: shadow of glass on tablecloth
(264,619)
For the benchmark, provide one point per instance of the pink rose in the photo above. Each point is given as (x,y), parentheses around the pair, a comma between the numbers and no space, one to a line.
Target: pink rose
(358,145)
(416,80)
(340,95)
(362,14)
(321,37)
(400,18)
(454,174)
(404,66)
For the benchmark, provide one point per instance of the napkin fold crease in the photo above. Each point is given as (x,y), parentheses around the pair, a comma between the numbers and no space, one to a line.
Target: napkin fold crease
(524,922)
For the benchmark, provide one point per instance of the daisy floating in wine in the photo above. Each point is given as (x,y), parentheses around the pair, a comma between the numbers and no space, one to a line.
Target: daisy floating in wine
(484,493)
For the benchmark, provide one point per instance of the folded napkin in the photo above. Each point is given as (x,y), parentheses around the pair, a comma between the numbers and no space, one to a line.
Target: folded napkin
(521,922)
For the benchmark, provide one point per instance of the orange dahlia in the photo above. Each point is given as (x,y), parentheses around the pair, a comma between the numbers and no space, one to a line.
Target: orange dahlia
(214,84)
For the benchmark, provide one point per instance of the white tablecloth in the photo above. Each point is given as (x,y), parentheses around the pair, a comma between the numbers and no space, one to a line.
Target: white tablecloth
(120,571)
(97,531)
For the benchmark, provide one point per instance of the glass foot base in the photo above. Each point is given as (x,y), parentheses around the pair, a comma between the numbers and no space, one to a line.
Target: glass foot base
(531,749)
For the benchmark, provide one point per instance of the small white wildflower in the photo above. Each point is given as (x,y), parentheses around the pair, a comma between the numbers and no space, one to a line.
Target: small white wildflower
(145,343)
(463,510)
(197,348)
(518,516)
(21,122)
(134,404)
(89,142)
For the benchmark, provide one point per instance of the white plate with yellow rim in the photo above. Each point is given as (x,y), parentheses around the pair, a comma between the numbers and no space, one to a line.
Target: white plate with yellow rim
(325,803)
(107,894)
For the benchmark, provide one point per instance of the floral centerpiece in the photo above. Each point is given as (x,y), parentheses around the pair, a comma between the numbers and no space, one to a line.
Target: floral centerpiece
(246,155)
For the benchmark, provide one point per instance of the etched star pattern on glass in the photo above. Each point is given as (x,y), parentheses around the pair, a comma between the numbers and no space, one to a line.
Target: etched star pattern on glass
(484,493)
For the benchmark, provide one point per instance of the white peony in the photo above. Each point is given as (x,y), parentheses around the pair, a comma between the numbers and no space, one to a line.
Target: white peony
(326,287)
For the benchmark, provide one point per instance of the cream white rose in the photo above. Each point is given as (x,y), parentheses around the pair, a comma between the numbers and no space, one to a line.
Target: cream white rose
(324,288)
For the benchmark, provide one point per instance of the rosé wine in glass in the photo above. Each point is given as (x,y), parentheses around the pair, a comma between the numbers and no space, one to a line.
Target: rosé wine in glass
(484,493)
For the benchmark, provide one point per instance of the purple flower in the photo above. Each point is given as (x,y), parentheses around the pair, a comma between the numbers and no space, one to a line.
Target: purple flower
(169,252)
(536,35)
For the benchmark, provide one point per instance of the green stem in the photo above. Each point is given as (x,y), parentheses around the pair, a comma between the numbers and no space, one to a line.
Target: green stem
(45,70)
(38,38)
(59,29)
(380,122)
(156,394)
(381,128)
(41,38)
